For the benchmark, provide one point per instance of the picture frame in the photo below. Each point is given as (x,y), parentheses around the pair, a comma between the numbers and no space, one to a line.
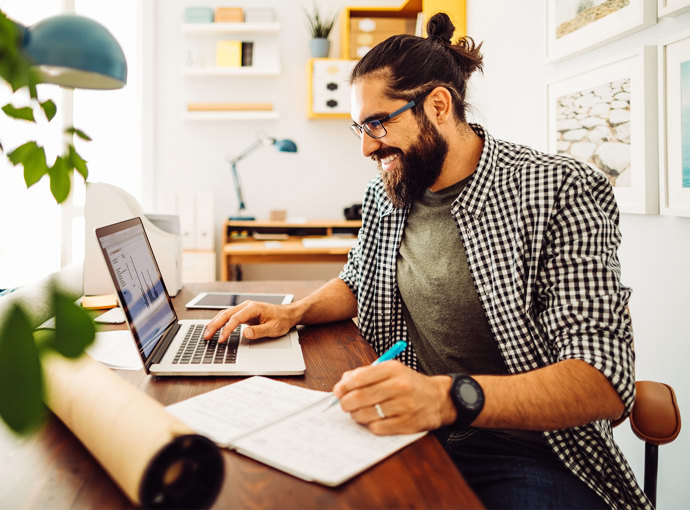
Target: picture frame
(672,7)
(674,125)
(606,116)
(572,27)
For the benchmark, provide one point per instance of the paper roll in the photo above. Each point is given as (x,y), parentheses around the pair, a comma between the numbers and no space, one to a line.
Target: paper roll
(155,459)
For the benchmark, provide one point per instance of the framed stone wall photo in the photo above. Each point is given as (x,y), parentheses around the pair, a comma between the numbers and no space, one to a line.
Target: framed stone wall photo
(574,26)
(672,7)
(606,116)
(674,125)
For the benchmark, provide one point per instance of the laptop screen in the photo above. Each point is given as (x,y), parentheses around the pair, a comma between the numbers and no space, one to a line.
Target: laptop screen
(138,282)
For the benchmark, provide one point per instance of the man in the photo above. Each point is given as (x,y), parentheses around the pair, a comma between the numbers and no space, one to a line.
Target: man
(499,264)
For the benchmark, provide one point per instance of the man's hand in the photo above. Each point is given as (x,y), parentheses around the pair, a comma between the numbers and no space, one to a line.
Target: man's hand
(265,320)
(411,402)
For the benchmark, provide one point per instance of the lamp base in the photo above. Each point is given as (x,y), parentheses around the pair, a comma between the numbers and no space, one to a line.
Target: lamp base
(242,218)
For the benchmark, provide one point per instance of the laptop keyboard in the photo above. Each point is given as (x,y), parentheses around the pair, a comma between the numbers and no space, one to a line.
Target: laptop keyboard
(196,350)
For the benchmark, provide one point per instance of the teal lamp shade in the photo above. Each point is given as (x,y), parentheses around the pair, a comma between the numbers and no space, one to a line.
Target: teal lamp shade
(75,52)
(286,145)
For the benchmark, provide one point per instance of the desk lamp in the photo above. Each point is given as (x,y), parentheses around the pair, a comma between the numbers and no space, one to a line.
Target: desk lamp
(285,145)
(74,52)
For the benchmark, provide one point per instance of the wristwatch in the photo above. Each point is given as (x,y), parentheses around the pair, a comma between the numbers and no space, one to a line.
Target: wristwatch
(467,397)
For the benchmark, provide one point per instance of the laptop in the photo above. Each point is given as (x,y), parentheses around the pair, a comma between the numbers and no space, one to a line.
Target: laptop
(169,346)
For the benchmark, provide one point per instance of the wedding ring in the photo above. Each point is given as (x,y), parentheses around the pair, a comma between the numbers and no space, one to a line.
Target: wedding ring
(379,411)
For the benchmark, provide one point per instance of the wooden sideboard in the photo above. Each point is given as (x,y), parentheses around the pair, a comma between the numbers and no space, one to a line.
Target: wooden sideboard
(269,242)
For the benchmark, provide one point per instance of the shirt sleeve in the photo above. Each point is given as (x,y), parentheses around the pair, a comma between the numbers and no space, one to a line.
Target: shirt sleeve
(583,305)
(351,273)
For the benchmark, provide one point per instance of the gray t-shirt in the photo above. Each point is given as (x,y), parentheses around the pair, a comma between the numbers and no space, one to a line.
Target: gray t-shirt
(445,319)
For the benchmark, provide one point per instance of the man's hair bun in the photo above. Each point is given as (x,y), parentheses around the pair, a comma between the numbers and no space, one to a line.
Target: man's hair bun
(440,28)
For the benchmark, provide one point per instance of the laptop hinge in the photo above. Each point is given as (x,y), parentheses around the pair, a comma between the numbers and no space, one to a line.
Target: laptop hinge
(162,346)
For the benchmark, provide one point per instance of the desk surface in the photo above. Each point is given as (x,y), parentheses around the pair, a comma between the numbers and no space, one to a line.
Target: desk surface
(53,470)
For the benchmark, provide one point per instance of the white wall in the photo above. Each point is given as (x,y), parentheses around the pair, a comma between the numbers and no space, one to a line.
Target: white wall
(328,173)
(510,100)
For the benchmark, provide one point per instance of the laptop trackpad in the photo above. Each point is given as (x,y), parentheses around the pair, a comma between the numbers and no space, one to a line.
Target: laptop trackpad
(282,342)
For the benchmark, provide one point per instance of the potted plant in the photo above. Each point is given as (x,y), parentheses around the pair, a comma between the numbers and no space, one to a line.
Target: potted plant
(320,27)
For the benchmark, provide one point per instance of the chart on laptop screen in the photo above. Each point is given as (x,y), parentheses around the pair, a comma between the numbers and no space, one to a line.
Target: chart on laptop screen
(140,285)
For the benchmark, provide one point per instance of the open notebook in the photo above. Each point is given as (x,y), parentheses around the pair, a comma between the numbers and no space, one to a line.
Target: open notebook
(289,428)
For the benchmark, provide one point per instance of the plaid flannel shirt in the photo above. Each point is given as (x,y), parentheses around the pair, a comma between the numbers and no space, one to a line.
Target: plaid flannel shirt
(541,236)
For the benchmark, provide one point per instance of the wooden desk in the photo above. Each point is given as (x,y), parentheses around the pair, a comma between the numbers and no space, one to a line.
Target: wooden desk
(239,247)
(53,470)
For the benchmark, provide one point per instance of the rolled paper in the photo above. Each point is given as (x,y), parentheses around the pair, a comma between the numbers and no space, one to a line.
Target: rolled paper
(155,459)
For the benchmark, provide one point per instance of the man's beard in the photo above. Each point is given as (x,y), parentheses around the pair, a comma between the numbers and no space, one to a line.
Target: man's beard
(417,169)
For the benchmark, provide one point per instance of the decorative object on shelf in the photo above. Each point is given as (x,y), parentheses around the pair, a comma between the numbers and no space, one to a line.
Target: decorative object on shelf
(229,107)
(319,27)
(673,7)
(606,117)
(329,87)
(365,33)
(198,15)
(229,15)
(285,145)
(674,122)
(413,12)
(578,25)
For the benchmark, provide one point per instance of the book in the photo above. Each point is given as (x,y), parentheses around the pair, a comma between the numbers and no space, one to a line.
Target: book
(229,53)
(288,427)
(99,302)
(247,54)
(229,15)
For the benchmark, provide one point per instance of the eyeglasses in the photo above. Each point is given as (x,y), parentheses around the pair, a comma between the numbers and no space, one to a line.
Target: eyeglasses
(375,128)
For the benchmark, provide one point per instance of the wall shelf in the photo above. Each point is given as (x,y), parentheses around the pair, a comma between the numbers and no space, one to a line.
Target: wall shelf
(231,116)
(230,28)
(229,71)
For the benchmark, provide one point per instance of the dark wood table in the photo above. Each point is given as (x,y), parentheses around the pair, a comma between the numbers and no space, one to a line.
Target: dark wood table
(51,469)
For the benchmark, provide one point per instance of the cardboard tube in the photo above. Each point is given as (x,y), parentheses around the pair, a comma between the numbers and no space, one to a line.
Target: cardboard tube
(154,458)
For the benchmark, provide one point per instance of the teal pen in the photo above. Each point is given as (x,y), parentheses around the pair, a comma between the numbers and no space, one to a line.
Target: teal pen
(391,353)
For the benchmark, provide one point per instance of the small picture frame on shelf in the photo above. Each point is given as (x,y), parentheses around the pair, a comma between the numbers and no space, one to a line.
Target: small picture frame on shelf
(606,116)
(575,26)
(674,125)
(672,7)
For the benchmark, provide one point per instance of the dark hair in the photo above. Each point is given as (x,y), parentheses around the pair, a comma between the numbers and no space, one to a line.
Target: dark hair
(413,65)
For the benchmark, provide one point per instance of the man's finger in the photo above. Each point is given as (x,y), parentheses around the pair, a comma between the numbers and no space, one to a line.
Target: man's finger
(243,316)
(220,319)
(365,376)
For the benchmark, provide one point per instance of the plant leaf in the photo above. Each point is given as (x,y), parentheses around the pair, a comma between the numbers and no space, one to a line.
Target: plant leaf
(35,166)
(74,329)
(78,162)
(19,154)
(24,113)
(49,109)
(21,379)
(74,131)
(60,180)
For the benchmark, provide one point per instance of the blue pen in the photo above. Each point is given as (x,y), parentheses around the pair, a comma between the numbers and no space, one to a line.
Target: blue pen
(391,353)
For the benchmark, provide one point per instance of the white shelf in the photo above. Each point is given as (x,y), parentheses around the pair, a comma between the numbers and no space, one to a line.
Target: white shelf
(230,71)
(230,28)
(240,115)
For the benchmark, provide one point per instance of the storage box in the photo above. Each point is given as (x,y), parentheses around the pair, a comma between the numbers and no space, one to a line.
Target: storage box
(198,15)
(229,15)
(259,15)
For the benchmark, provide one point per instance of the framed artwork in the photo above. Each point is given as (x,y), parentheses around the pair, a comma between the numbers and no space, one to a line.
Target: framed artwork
(573,26)
(672,7)
(674,122)
(606,116)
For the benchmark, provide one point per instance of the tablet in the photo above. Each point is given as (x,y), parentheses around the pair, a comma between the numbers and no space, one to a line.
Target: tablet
(222,300)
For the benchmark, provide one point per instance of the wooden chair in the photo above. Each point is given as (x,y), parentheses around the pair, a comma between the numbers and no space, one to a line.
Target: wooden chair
(655,418)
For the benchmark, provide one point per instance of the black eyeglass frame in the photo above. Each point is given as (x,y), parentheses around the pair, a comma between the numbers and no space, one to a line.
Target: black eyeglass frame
(357,129)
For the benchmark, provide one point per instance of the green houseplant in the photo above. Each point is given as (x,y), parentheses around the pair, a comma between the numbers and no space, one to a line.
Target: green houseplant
(320,27)
(21,348)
